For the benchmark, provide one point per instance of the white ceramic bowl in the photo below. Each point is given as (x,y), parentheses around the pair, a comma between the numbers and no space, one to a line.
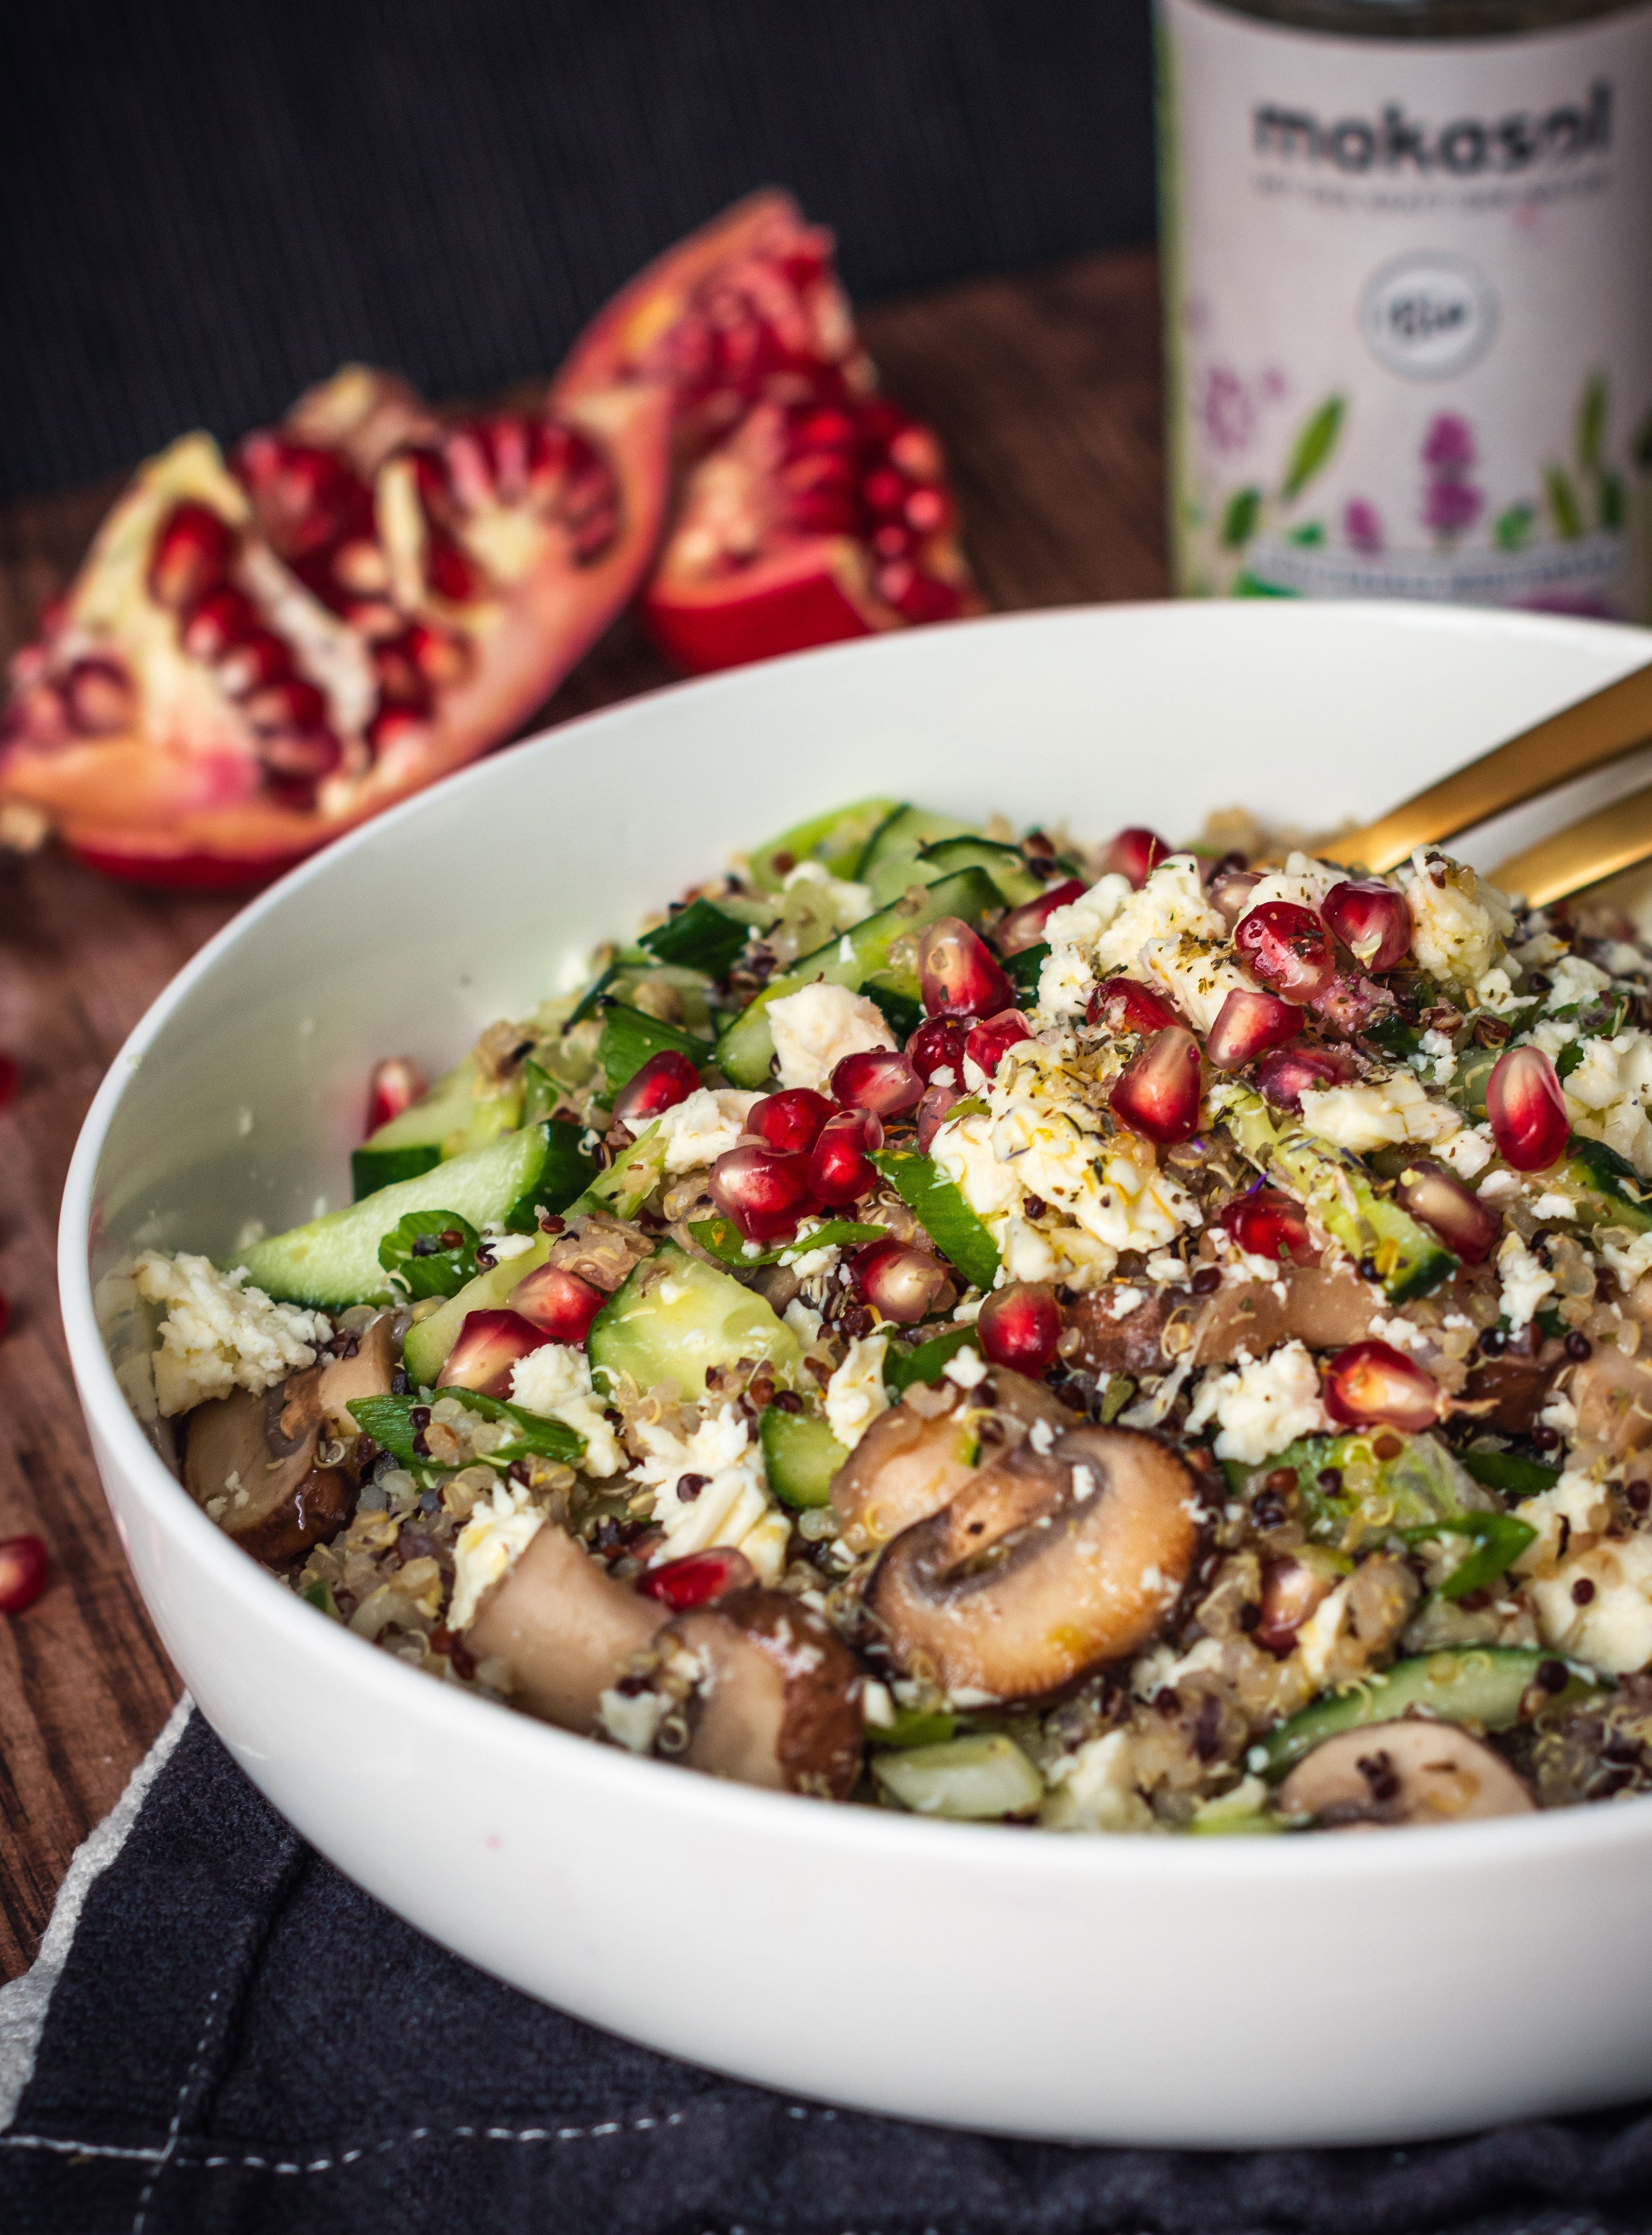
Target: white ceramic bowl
(1134,1990)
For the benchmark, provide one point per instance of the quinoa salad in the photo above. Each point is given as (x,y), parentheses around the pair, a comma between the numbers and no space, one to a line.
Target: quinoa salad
(1108,1340)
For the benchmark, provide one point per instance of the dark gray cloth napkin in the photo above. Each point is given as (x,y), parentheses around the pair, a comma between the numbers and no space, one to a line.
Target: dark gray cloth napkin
(241,2039)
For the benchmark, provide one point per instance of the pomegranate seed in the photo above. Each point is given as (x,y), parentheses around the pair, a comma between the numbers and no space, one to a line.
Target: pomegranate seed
(97,695)
(191,555)
(892,540)
(938,1046)
(301,756)
(451,574)
(1287,947)
(1247,1026)
(399,675)
(990,1041)
(660,1084)
(226,618)
(1157,1092)
(488,1346)
(392,724)
(885,492)
(932,1113)
(789,1121)
(697,1580)
(441,656)
(1135,853)
(22,1572)
(824,512)
(1373,1382)
(877,1079)
(261,657)
(926,511)
(1290,1592)
(1352,1002)
(291,703)
(395,1084)
(1285,1077)
(765,1193)
(1230,891)
(1019,1327)
(1371,920)
(902,1283)
(917,597)
(916,451)
(840,1169)
(1527,1110)
(1463,1222)
(10,1074)
(958,974)
(1124,1005)
(559,1304)
(1023,926)
(825,431)
(1269,1223)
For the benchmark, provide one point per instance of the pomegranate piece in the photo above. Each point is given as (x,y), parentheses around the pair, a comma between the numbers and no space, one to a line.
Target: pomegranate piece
(98,697)
(1158,1093)
(490,1345)
(989,1042)
(1123,1004)
(1438,1198)
(10,1074)
(763,1191)
(1285,1077)
(937,1047)
(957,973)
(1371,1384)
(22,1572)
(223,618)
(902,1283)
(1527,1110)
(1023,926)
(395,1084)
(932,1113)
(190,556)
(1287,947)
(1020,1327)
(559,1304)
(697,1579)
(1248,1026)
(1135,853)
(841,1168)
(1290,1592)
(1230,891)
(1371,921)
(1269,1223)
(877,1079)
(660,1084)
(790,1120)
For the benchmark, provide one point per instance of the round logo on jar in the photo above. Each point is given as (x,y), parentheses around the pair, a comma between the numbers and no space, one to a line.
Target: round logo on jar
(1428,316)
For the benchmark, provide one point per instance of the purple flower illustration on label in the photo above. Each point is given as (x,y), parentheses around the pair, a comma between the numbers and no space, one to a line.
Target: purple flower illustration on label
(1452,503)
(1362,527)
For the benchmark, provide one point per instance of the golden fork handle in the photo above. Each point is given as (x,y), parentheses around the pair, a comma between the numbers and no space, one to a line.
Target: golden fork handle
(1615,838)
(1597,730)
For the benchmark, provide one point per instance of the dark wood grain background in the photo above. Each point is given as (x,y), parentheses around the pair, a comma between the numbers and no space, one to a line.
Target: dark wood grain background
(1046,391)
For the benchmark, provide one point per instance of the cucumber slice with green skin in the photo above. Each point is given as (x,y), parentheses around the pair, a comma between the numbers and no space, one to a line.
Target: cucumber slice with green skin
(629,1039)
(941,1211)
(675,1318)
(424,1351)
(1613,1194)
(1484,1684)
(859,959)
(332,1261)
(802,1457)
(1422,1483)
(699,938)
(913,1728)
(836,841)
(1337,1187)
(566,1173)
(372,1168)
(450,1119)
(970,1780)
(629,1180)
(1004,865)
(927,1362)
(720,1238)
(1023,969)
(901,1013)
(900,838)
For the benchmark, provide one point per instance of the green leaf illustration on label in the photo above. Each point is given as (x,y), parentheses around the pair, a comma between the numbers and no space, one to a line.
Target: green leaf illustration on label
(1313,448)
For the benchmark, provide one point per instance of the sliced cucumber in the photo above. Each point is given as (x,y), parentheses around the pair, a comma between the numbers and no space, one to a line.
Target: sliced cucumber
(333,1261)
(630,1179)
(1614,1192)
(630,1039)
(901,836)
(676,1317)
(450,1118)
(372,1168)
(1337,1187)
(942,1212)
(720,1238)
(802,1456)
(927,1362)
(1004,865)
(971,1778)
(700,937)
(1024,969)
(569,1171)
(860,958)
(424,1353)
(1483,1684)
(836,841)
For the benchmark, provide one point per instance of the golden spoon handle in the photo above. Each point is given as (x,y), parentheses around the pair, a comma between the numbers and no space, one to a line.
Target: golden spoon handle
(1615,838)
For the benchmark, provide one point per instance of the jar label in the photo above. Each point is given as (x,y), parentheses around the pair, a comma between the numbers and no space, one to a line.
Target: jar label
(1409,310)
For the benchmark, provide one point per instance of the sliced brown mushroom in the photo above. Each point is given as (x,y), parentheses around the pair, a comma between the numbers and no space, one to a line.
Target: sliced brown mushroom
(565,1627)
(916,1457)
(1045,1566)
(366,1373)
(259,1454)
(1506,1393)
(782,1703)
(1324,1307)
(1413,1771)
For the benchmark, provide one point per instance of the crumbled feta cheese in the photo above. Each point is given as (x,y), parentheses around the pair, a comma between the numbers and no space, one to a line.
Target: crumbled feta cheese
(499,1531)
(1382,1112)
(1613,1631)
(1573,980)
(554,1382)
(632,1719)
(1468,1152)
(1575,1505)
(815,1027)
(704,1127)
(219,1335)
(1457,926)
(1094,1789)
(967,1370)
(1196,973)
(856,1394)
(1082,922)
(727,1507)
(1630,1265)
(1608,1091)
(1247,1797)
(1317,1639)
(1262,1404)
(805,1323)
(1442,1057)
(502,1245)
(1171,903)
(1526,1280)
(1303,880)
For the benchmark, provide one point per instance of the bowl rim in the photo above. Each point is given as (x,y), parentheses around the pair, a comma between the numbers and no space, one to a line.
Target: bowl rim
(451,1711)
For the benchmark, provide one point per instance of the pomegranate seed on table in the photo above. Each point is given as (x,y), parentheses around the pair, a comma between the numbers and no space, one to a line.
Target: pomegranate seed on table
(763,1190)
(932,1113)
(189,557)
(877,1079)
(1158,1093)
(1020,1327)
(22,1572)
(938,1045)
(1371,921)
(1271,1224)
(1135,853)
(958,974)
(1230,891)
(841,1170)
(559,1304)
(990,1041)
(1023,926)
(1287,947)
(1527,1110)
(790,1120)
(1284,1077)
(1123,1004)
(1438,1198)
(1371,1384)
(660,1084)
(1248,1027)
(490,1344)
(903,1283)
(395,1084)
(697,1579)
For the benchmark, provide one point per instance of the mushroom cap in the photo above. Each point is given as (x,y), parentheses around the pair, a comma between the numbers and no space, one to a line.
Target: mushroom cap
(260,1452)
(564,1625)
(782,1703)
(915,1458)
(1415,1771)
(1324,1307)
(1045,1566)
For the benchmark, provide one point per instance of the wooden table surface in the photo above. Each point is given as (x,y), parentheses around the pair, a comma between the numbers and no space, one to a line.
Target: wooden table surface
(1046,391)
